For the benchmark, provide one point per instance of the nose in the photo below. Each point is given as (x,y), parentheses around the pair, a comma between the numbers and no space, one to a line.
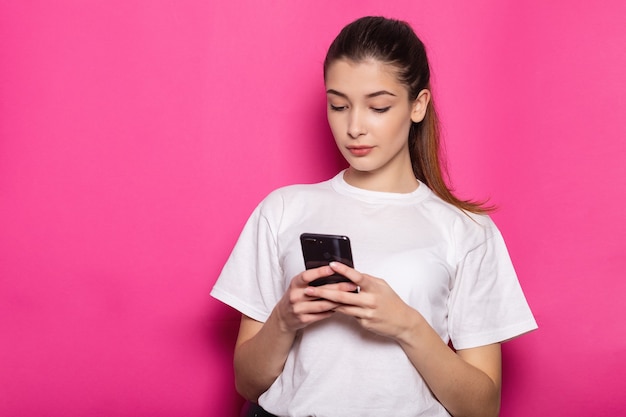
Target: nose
(356,125)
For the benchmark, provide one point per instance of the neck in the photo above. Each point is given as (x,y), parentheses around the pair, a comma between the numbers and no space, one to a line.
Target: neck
(390,182)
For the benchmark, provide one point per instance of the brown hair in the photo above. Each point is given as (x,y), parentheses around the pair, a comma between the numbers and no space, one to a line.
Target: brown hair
(394,42)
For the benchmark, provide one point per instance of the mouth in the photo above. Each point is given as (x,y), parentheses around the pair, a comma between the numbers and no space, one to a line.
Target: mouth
(360,150)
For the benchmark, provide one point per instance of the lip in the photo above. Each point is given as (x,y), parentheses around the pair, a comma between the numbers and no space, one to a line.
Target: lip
(360,150)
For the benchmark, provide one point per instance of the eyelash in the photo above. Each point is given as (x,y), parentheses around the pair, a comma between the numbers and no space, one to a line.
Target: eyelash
(374,109)
(337,108)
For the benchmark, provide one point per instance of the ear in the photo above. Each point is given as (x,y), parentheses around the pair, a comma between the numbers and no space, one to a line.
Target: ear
(418,110)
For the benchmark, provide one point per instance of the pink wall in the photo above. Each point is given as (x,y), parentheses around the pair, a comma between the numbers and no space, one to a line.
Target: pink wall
(136,137)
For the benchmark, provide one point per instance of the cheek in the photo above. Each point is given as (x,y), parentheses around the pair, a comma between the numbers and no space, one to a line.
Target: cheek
(394,128)
(335,124)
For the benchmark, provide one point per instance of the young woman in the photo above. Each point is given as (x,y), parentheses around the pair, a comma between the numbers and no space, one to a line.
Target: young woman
(417,331)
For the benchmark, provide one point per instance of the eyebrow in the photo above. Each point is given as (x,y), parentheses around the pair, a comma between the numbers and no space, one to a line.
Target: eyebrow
(371,95)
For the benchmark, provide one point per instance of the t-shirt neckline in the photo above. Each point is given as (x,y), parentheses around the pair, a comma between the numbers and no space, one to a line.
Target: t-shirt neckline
(340,185)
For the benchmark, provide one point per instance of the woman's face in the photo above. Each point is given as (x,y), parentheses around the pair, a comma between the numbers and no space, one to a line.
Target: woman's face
(370,115)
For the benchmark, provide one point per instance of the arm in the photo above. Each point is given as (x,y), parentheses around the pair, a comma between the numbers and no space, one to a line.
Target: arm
(467,382)
(260,354)
(262,348)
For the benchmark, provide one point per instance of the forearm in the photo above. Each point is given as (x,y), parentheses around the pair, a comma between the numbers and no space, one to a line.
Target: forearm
(462,388)
(260,360)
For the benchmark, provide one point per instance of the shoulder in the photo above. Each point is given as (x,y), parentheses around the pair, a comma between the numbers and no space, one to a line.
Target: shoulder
(466,228)
(293,195)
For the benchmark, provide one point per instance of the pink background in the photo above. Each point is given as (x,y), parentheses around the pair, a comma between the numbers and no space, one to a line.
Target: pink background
(136,137)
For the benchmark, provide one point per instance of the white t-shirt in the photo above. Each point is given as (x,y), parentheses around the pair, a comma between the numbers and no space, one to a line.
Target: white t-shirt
(451,266)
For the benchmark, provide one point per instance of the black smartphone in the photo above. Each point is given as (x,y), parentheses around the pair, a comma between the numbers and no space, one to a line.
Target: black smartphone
(319,250)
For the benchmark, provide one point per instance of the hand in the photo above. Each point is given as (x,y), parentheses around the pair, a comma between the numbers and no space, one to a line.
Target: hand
(297,309)
(376,306)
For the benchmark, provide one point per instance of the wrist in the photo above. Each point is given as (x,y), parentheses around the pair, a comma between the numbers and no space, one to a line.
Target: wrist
(414,328)
(280,321)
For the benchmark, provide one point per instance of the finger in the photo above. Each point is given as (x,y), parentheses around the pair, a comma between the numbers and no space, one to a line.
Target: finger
(348,287)
(319,306)
(342,286)
(311,275)
(350,310)
(350,273)
(333,295)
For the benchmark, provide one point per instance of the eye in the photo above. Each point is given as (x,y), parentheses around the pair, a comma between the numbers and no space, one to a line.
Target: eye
(381,109)
(337,108)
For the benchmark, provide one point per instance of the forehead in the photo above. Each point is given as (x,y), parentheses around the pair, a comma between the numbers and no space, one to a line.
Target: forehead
(363,77)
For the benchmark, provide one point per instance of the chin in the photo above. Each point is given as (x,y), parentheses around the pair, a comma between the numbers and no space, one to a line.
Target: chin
(362,168)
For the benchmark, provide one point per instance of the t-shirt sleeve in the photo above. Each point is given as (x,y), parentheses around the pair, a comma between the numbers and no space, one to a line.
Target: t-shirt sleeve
(487,304)
(251,280)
